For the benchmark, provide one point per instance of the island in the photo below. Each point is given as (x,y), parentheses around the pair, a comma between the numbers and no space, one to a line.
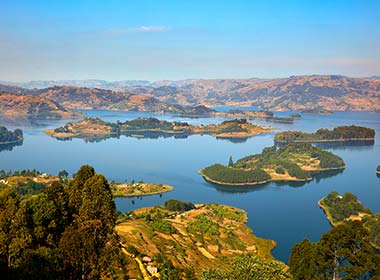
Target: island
(378,170)
(10,137)
(92,128)
(180,238)
(260,115)
(318,111)
(338,134)
(340,209)
(138,189)
(292,162)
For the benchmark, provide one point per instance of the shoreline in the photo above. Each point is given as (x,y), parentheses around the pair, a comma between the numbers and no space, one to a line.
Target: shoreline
(324,140)
(166,188)
(208,179)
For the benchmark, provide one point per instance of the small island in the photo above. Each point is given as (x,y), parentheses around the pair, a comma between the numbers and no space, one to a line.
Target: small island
(180,236)
(344,208)
(317,111)
(260,115)
(91,128)
(9,137)
(338,134)
(138,189)
(378,170)
(293,162)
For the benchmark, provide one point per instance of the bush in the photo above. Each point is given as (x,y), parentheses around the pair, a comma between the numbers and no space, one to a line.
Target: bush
(177,205)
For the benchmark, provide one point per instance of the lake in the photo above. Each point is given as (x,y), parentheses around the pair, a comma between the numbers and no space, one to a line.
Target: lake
(285,213)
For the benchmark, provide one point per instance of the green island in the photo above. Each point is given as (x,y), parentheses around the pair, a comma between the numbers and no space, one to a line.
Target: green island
(378,170)
(30,182)
(190,241)
(341,209)
(319,111)
(338,134)
(293,162)
(9,137)
(138,189)
(147,127)
(260,115)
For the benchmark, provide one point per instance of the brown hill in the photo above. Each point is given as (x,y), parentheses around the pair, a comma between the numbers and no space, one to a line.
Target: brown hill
(33,107)
(330,92)
(95,98)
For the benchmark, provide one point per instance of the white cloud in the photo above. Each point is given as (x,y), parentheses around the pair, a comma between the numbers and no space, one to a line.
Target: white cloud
(139,29)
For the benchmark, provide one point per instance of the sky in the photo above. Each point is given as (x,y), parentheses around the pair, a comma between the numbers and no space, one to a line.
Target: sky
(158,39)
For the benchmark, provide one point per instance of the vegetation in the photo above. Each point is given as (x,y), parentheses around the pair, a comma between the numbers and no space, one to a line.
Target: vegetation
(138,189)
(205,237)
(248,267)
(341,208)
(340,133)
(94,128)
(7,136)
(61,233)
(378,169)
(345,252)
(229,175)
(292,162)
(178,206)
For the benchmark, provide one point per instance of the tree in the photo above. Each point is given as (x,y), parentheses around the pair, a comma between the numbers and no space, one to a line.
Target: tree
(63,174)
(75,187)
(230,162)
(345,250)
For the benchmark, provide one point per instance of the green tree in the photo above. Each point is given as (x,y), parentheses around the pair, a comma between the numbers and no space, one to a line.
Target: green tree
(230,162)
(63,174)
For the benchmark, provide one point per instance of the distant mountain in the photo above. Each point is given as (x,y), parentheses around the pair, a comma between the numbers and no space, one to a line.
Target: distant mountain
(327,92)
(95,98)
(33,107)
(91,83)
(331,92)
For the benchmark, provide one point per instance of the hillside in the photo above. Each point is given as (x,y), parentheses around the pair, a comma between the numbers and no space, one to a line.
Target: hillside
(33,107)
(327,92)
(314,92)
(196,238)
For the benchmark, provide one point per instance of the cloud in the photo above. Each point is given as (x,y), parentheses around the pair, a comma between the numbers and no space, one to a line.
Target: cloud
(138,29)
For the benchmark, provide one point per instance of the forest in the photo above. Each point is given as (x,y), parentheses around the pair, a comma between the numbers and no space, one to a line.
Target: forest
(64,232)
(340,133)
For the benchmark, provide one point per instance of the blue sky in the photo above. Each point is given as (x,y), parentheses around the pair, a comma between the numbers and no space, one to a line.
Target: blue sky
(153,40)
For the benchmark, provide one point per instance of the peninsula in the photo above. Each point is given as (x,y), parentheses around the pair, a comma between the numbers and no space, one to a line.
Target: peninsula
(343,208)
(293,162)
(91,128)
(203,236)
(338,134)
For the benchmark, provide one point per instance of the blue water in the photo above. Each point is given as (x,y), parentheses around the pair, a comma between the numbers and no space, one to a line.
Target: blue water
(286,214)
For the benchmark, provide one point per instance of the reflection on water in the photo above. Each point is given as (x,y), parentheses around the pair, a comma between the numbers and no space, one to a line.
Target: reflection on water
(9,147)
(148,135)
(317,177)
(346,144)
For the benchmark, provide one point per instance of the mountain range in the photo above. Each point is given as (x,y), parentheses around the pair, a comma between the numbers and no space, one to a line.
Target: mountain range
(328,92)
